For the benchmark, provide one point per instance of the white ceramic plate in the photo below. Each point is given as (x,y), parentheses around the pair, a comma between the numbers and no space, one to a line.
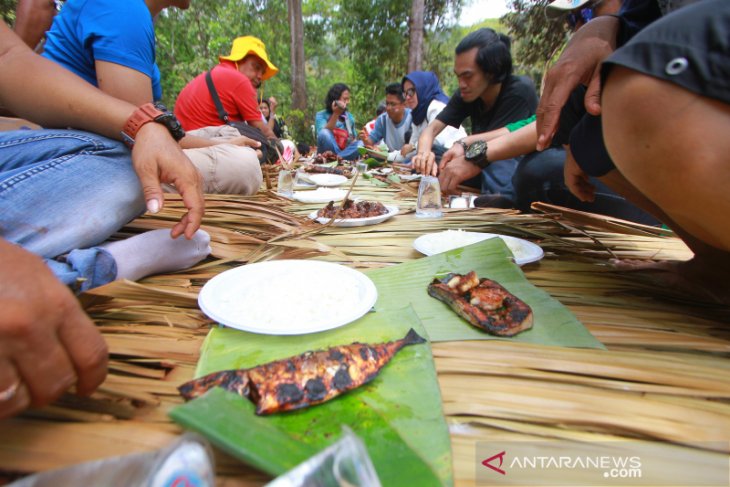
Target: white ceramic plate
(357,222)
(320,195)
(523,251)
(288,297)
(327,179)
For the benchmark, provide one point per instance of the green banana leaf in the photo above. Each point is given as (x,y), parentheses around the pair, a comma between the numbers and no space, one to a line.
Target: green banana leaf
(398,415)
(406,285)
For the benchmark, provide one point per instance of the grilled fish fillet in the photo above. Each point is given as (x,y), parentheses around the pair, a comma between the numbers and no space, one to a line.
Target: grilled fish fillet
(306,379)
(484,303)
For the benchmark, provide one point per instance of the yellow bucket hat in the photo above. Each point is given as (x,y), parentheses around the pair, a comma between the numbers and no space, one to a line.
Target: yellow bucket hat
(243,46)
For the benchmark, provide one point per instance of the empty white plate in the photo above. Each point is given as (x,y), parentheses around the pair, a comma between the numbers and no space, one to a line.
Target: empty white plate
(523,251)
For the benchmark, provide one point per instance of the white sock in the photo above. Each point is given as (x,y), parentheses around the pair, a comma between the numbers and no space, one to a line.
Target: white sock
(155,252)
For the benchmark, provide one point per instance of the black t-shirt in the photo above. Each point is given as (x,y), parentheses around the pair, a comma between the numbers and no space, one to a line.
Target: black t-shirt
(517,100)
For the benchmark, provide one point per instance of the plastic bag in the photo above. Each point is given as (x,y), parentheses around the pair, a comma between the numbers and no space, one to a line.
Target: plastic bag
(345,463)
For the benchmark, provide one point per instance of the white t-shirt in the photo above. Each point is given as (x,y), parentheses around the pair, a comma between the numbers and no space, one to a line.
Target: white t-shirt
(448,135)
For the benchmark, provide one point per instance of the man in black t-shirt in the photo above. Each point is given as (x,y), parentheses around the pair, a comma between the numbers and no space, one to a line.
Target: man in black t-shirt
(491,96)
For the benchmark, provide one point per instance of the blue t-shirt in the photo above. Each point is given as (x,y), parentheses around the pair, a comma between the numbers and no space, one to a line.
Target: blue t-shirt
(323,116)
(115,31)
(394,135)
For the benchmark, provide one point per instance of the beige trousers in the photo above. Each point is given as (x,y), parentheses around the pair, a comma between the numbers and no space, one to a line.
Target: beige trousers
(226,168)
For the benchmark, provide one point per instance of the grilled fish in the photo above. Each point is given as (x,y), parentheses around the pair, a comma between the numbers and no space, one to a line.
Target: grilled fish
(483,303)
(303,380)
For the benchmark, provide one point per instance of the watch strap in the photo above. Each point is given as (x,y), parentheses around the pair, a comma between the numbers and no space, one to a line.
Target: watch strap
(142,115)
(482,160)
(151,113)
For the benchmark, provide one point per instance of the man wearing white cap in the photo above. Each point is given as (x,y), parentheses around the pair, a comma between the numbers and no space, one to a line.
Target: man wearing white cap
(579,12)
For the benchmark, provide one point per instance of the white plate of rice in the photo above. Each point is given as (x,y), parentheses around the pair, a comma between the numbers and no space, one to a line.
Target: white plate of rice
(288,297)
(327,179)
(523,251)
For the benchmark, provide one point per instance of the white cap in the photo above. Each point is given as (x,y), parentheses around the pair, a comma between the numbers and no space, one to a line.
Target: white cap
(559,7)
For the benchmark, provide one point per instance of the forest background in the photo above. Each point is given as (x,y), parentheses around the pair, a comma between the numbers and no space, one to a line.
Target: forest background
(315,43)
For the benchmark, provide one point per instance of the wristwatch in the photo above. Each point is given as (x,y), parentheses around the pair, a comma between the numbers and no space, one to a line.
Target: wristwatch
(151,113)
(476,153)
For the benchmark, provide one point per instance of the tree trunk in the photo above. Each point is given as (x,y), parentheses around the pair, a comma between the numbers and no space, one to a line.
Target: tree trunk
(296,26)
(415,44)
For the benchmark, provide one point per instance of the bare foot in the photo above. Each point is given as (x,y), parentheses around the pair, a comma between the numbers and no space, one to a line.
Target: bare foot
(697,280)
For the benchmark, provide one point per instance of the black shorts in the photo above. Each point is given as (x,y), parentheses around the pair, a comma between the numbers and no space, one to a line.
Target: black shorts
(689,47)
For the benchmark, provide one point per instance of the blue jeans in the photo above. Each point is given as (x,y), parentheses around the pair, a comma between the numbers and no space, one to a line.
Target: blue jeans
(66,191)
(326,142)
(497,178)
(539,177)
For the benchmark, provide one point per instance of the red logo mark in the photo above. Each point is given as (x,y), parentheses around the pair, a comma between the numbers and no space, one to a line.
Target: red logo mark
(496,469)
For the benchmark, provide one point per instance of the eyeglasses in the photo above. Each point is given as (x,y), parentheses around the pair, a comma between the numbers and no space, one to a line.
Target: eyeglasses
(391,104)
(409,92)
(585,15)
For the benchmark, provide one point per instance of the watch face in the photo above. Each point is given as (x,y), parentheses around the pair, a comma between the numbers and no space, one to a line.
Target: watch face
(476,149)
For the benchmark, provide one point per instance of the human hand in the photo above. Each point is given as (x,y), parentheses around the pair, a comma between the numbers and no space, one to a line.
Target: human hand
(47,343)
(157,159)
(455,171)
(407,149)
(576,179)
(580,63)
(272,105)
(425,163)
(243,141)
(363,135)
(338,107)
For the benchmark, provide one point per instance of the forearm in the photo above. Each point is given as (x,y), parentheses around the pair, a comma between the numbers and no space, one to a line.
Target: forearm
(425,141)
(194,142)
(259,124)
(33,19)
(332,121)
(514,144)
(66,101)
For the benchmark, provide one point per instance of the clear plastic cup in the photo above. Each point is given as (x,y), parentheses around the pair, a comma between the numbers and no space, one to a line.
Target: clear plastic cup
(428,204)
(285,185)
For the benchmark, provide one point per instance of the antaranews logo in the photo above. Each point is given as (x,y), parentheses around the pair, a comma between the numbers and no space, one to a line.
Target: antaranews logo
(488,463)
(562,463)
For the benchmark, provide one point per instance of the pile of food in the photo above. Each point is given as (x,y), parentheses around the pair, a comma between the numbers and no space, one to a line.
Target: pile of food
(483,303)
(306,379)
(327,156)
(352,209)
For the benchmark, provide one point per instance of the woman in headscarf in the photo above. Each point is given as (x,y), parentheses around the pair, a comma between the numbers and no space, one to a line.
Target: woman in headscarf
(426,99)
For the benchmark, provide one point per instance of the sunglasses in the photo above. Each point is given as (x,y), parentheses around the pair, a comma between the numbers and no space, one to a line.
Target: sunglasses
(585,15)
(409,92)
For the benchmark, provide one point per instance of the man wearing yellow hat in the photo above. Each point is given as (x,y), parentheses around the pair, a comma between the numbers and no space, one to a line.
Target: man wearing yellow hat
(235,79)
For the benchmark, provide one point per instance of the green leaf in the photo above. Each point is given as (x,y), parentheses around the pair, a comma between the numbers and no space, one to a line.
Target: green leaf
(407,283)
(375,181)
(228,421)
(398,415)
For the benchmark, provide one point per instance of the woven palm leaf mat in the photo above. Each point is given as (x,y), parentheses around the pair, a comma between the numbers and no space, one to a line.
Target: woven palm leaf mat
(664,378)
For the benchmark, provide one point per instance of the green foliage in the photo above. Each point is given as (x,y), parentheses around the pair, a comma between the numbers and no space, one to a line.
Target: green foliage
(538,39)
(7,9)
